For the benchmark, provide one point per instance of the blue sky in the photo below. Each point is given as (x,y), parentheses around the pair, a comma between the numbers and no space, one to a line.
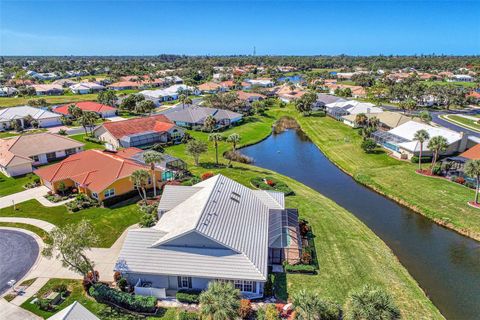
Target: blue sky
(234,27)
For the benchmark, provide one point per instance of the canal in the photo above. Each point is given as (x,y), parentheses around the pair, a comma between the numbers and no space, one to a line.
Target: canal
(444,263)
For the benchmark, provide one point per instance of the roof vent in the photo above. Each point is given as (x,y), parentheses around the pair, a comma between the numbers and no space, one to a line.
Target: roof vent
(235,197)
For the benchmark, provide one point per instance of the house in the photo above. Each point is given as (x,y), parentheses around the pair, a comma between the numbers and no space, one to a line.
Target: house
(168,94)
(8,91)
(387,119)
(20,153)
(400,140)
(475,96)
(65,83)
(42,76)
(75,311)
(324,99)
(228,85)
(138,132)
(216,230)
(86,87)
(286,94)
(195,116)
(461,78)
(261,82)
(47,89)
(342,108)
(210,87)
(124,85)
(357,91)
(98,174)
(102,110)
(43,117)
(250,96)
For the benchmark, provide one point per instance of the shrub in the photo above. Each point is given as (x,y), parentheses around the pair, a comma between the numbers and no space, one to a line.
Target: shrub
(237,156)
(44,304)
(93,139)
(453,178)
(185,315)
(306,258)
(304,228)
(188,295)
(148,220)
(158,147)
(102,293)
(82,201)
(117,276)
(277,185)
(300,268)
(206,175)
(460,180)
(371,303)
(61,288)
(270,312)
(368,145)
(425,159)
(470,184)
(245,309)
(62,132)
(437,170)
(122,284)
(268,289)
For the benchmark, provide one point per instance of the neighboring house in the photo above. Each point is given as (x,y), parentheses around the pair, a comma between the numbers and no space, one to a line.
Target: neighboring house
(86,87)
(218,230)
(102,110)
(168,94)
(400,140)
(210,87)
(139,132)
(324,99)
(461,78)
(287,95)
(8,91)
(357,91)
(260,82)
(42,76)
(342,108)
(64,82)
(195,116)
(227,85)
(75,311)
(47,89)
(124,85)
(19,154)
(250,96)
(475,96)
(44,118)
(98,174)
(387,119)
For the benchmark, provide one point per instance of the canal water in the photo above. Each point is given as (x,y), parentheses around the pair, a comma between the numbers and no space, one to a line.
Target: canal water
(445,264)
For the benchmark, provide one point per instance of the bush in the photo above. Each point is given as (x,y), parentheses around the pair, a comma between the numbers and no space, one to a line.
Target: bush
(82,201)
(158,147)
(148,220)
(368,145)
(44,304)
(237,156)
(206,175)
(306,258)
(93,139)
(276,185)
(60,288)
(102,293)
(245,309)
(117,276)
(185,315)
(300,268)
(470,184)
(437,170)
(188,295)
(268,289)
(304,228)
(270,312)
(460,180)
(122,284)
(62,132)
(425,159)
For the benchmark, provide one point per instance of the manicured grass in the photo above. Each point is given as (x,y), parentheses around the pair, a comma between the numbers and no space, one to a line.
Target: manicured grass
(88,144)
(40,232)
(109,223)
(471,124)
(349,254)
(10,185)
(8,134)
(18,101)
(102,311)
(445,83)
(437,199)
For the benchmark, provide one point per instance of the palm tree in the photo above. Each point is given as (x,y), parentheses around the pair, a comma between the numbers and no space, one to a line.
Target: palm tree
(209,123)
(371,303)
(361,119)
(215,137)
(184,100)
(152,158)
(140,180)
(310,306)
(234,138)
(87,119)
(220,301)
(421,136)
(472,169)
(195,148)
(437,144)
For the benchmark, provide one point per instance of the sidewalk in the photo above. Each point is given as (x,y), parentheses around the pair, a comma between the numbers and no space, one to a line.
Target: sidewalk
(36,193)
(11,311)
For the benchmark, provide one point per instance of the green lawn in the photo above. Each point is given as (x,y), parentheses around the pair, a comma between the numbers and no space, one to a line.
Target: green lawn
(40,232)
(10,185)
(445,83)
(77,294)
(472,124)
(88,144)
(437,199)
(108,222)
(18,101)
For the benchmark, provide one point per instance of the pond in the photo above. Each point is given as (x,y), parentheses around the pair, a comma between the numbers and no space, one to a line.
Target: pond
(292,79)
(445,264)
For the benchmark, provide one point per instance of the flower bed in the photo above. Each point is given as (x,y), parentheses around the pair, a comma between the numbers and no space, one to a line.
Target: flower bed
(81,202)
(270,183)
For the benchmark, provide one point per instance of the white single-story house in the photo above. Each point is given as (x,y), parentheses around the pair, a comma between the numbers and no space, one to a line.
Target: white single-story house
(86,87)
(195,116)
(42,76)
(44,118)
(461,78)
(8,91)
(400,140)
(342,108)
(168,94)
(20,153)
(47,89)
(75,311)
(266,83)
(216,230)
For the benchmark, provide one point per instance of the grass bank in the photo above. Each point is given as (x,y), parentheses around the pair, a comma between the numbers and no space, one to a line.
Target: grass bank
(438,199)
(40,232)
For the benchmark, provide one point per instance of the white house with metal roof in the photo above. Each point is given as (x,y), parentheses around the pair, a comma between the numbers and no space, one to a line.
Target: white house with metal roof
(75,311)
(217,229)
(44,118)
(168,94)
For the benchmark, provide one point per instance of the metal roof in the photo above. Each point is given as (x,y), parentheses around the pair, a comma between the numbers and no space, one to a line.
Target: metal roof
(75,311)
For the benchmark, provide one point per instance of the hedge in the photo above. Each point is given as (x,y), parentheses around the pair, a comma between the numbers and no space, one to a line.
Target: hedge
(188,295)
(277,185)
(102,293)
(425,159)
(93,139)
(185,315)
(300,268)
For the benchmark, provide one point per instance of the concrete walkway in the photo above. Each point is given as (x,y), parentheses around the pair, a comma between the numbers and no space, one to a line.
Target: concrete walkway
(37,193)
(11,311)
(47,226)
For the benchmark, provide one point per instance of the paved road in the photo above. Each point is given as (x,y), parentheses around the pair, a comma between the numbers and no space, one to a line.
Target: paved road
(436,118)
(18,253)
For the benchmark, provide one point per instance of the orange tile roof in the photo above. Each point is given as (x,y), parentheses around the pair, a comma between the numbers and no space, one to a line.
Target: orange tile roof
(92,169)
(119,129)
(85,106)
(473,153)
(207,86)
(242,95)
(123,84)
(474,94)
(228,83)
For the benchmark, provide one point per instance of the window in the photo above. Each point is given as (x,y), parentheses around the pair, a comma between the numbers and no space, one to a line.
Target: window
(70,151)
(35,158)
(95,195)
(239,285)
(184,282)
(51,156)
(248,286)
(109,193)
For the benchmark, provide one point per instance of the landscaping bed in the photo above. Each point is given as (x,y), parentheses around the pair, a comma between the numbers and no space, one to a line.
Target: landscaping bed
(270,183)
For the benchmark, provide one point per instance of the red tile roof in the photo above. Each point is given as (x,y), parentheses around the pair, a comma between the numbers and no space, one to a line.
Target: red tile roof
(92,169)
(119,129)
(242,95)
(228,84)
(474,94)
(85,106)
(125,84)
(473,153)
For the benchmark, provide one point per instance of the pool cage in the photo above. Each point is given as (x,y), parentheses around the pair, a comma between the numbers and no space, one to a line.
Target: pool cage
(388,140)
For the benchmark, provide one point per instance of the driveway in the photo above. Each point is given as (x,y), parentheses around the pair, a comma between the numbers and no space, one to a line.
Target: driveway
(18,253)
(29,194)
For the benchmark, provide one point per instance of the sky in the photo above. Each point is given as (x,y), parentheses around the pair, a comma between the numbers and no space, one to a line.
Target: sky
(74,27)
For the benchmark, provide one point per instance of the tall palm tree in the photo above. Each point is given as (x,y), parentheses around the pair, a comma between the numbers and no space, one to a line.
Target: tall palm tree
(220,301)
(152,158)
(87,119)
(140,179)
(472,169)
(361,119)
(437,144)
(421,136)
(216,138)
(234,138)
(184,100)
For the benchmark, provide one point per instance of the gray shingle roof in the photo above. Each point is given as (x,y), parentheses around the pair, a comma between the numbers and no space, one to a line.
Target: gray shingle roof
(198,114)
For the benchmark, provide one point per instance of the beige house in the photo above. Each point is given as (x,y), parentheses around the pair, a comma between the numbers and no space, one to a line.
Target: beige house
(387,119)
(19,154)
